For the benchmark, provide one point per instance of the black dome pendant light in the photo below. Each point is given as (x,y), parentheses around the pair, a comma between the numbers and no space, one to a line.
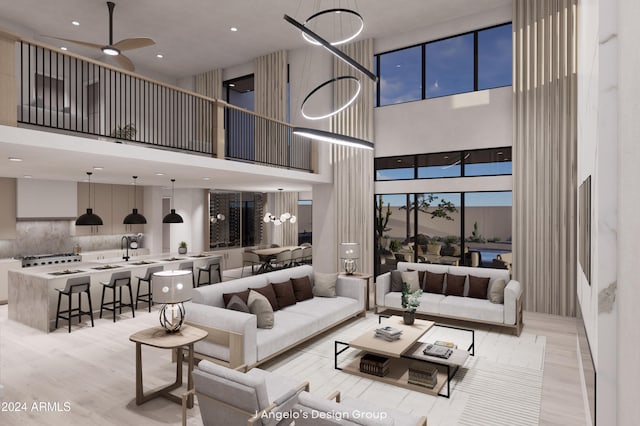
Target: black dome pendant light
(134,218)
(172,217)
(89,218)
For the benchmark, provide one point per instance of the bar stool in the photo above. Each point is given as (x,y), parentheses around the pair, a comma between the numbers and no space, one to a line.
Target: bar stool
(188,266)
(77,285)
(147,297)
(117,281)
(212,264)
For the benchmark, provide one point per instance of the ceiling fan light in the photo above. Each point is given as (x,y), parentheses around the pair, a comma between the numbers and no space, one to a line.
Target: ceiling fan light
(110,50)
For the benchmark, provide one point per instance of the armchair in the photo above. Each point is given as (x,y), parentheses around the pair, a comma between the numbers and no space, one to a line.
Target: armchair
(233,397)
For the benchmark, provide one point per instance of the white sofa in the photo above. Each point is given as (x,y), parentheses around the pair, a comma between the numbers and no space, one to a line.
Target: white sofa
(507,314)
(234,338)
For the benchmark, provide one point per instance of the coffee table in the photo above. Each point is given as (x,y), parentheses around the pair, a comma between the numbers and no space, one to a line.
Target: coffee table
(402,353)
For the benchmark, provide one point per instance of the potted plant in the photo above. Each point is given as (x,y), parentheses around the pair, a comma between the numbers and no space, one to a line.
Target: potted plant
(183,247)
(410,301)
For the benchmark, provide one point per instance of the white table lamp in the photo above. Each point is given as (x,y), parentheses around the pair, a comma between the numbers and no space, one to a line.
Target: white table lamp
(172,288)
(349,253)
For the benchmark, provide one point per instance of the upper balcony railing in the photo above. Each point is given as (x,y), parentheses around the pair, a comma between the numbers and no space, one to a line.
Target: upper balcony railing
(64,91)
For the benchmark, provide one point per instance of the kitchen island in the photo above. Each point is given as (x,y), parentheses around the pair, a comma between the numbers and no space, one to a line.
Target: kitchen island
(32,291)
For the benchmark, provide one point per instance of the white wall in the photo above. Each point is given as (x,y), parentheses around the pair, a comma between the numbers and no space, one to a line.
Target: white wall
(153,212)
(189,203)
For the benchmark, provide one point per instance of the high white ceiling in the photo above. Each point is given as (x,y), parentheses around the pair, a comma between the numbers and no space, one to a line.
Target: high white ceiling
(194,36)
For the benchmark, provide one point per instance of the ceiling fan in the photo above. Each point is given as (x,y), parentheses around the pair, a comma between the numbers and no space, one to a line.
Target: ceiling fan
(116,49)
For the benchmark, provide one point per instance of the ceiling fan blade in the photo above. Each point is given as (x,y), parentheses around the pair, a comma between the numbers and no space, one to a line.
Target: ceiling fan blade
(133,43)
(82,43)
(124,62)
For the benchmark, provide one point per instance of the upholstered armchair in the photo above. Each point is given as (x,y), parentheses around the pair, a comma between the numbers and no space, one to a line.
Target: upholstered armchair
(232,397)
(336,411)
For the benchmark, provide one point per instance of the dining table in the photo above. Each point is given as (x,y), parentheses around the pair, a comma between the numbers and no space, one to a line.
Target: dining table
(268,254)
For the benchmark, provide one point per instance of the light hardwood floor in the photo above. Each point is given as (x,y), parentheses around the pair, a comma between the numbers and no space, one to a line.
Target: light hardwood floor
(92,369)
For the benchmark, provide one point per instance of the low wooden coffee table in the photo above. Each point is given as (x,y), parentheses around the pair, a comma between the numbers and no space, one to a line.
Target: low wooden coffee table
(402,353)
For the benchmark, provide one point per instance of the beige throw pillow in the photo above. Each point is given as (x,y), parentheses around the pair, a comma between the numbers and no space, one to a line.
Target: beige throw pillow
(259,306)
(411,278)
(496,294)
(434,249)
(324,285)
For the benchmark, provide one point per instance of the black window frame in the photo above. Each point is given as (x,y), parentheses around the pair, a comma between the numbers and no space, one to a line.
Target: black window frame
(423,45)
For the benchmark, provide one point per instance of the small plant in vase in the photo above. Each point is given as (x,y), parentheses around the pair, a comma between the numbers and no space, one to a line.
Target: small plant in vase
(410,302)
(182,249)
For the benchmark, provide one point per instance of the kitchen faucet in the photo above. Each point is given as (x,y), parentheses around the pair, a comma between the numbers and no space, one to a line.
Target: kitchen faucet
(125,240)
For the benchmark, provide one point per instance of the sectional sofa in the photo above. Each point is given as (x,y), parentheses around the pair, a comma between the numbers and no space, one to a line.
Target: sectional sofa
(482,310)
(234,338)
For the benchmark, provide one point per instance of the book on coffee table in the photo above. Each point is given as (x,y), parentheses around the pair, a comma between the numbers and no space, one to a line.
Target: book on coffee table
(437,351)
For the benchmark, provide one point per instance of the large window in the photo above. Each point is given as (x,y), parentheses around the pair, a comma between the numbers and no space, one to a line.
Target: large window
(459,228)
(400,75)
(476,60)
(449,66)
(478,162)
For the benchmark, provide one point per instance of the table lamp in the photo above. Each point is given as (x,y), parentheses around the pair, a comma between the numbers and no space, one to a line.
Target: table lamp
(172,288)
(349,253)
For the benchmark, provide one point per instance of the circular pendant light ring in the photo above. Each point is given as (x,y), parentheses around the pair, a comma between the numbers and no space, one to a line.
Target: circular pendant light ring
(326,83)
(336,10)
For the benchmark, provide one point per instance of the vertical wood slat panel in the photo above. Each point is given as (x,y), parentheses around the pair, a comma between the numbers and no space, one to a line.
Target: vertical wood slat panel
(353,167)
(544,154)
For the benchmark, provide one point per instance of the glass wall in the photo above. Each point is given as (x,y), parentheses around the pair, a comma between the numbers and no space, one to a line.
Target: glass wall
(449,66)
(494,57)
(400,75)
(305,221)
(394,229)
(488,226)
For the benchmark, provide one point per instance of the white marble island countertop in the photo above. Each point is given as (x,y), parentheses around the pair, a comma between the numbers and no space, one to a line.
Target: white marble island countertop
(33,299)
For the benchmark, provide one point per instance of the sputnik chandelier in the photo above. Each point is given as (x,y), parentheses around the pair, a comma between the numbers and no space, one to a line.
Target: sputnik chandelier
(268,217)
(315,39)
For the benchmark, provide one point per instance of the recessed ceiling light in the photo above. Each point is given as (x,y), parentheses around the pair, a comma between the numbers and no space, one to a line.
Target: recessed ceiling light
(499,152)
(160,55)
(63,48)
(232,85)
(15,159)
(398,161)
(27,176)
(76,23)
(280,189)
(98,168)
(234,29)
(159,174)
(206,178)
(446,157)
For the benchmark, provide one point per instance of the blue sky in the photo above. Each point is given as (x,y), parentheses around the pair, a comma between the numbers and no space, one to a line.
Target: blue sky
(472,199)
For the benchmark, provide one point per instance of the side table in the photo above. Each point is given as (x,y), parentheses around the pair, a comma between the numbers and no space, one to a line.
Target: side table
(159,338)
(366,277)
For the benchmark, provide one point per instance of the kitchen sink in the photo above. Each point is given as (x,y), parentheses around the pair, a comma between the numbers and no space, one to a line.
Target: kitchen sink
(173,259)
(142,262)
(101,268)
(198,255)
(67,272)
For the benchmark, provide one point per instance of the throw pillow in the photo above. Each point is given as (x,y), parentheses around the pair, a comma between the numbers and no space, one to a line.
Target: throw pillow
(456,250)
(496,294)
(267,291)
(411,278)
(434,283)
(396,280)
(455,285)
(284,293)
(243,295)
(259,306)
(478,287)
(237,304)
(421,275)
(302,288)
(324,285)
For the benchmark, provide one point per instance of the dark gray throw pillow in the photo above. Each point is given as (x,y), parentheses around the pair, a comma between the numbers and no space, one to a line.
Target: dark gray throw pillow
(237,304)
(396,280)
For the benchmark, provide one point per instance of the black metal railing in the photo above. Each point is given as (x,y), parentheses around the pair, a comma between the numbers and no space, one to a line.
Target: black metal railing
(253,138)
(65,92)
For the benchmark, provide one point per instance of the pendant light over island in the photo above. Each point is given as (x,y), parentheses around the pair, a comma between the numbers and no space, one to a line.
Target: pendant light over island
(89,218)
(172,217)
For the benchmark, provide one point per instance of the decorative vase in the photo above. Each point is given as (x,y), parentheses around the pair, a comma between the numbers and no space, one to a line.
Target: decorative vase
(182,250)
(409,317)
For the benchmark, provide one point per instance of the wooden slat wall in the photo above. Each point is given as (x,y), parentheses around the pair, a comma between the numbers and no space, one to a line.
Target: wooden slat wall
(209,84)
(544,154)
(353,167)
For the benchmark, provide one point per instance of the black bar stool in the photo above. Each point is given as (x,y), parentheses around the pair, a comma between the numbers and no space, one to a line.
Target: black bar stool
(188,266)
(117,281)
(212,265)
(147,297)
(78,286)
